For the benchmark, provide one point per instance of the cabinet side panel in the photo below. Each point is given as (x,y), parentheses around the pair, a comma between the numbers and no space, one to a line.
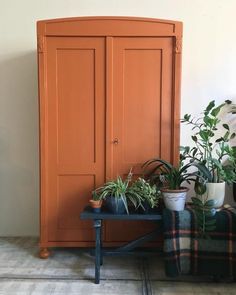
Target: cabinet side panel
(42,90)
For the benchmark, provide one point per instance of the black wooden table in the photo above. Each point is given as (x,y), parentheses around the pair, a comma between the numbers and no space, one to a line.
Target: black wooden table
(106,215)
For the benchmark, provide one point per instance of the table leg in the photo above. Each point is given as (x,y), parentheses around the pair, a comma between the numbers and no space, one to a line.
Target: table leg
(97,226)
(101,250)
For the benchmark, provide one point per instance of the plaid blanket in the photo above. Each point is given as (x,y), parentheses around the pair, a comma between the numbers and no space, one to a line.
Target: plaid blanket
(188,253)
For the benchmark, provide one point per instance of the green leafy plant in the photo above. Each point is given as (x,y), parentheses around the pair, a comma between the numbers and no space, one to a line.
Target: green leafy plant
(205,213)
(96,202)
(96,196)
(234,183)
(120,190)
(142,191)
(209,149)
(164,174)
(115,188)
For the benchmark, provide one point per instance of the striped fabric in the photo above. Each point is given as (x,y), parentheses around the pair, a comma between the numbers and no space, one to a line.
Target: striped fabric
(186,252)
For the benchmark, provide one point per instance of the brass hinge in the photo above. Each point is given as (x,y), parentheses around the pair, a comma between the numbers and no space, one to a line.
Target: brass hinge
(41,43)
(178,44)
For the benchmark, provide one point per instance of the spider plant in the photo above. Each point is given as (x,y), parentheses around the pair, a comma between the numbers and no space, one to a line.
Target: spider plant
(119,192)
(117,189)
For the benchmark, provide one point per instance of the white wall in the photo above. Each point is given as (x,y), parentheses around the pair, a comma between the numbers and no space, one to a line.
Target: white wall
(209,72)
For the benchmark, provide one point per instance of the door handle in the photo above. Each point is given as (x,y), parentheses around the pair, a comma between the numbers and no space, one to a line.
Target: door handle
(115,141)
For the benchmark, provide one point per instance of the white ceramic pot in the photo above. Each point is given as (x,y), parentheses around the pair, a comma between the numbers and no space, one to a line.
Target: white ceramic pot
(216,191)
(174,199)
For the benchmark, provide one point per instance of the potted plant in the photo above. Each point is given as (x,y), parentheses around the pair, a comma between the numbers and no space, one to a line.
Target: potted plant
(147,194)
(234,191)
(205,215)
(212,150)
(96,202)
(117,195)
(234,182)
(171,179)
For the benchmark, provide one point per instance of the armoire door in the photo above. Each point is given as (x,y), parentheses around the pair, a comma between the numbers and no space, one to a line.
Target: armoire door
(75,113)
(141,112)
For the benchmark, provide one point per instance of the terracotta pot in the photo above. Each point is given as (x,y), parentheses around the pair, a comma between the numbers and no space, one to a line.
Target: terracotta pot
(174,199)
(96,205)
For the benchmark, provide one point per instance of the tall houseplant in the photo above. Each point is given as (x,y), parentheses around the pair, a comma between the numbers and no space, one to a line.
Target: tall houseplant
(211,149)
(234,183)
(171,180)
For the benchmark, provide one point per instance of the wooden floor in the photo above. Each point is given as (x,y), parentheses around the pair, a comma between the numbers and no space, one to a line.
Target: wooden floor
(71,271)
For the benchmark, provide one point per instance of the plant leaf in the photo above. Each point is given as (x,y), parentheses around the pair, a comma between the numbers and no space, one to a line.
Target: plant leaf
(196,201)
(226,126)
(210,228)
(210,203)
(215,111)
(209,107)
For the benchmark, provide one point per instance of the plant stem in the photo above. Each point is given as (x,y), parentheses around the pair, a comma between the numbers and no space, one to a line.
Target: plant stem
(204,220)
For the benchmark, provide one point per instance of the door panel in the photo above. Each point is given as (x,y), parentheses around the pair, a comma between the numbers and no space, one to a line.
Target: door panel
(141,112)
(76,132)
(141,87)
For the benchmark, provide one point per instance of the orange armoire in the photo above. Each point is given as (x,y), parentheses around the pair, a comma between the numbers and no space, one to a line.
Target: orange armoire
(109,90)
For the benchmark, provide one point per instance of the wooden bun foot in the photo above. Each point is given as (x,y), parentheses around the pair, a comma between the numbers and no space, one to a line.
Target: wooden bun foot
(44,253)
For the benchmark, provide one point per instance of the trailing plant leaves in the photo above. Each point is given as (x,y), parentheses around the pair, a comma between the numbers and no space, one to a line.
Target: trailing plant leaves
(143,192)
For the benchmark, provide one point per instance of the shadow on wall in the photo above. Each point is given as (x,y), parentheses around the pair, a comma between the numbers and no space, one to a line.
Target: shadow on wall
(19,145)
